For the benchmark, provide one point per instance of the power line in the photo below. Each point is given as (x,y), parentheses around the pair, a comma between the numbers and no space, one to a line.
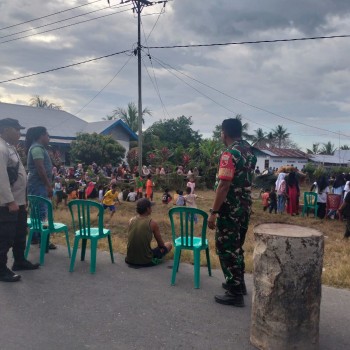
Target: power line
(249,42)
(62,20)
(66,26)
(156,22)
(249,104)
(52,14)
(105,85)
(63,67)
(156,88)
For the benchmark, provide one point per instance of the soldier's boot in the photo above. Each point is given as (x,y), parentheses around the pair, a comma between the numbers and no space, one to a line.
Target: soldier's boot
(233,296)
(243,286)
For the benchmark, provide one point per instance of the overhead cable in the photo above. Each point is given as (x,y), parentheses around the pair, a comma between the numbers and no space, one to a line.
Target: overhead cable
(52,14)
(63,67)
(249,42)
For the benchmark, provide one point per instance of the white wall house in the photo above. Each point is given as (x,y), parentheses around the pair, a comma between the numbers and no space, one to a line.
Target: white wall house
(276,157)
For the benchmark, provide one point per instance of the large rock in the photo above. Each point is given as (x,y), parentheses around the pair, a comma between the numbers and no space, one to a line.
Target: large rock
(287,287)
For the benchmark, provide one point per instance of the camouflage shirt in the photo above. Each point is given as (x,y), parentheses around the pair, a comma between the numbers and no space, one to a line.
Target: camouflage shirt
(237,164)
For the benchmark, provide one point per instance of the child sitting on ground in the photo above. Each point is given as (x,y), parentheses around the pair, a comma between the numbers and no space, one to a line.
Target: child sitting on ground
(132,196)
(181,201)
(265,199)
(166,197)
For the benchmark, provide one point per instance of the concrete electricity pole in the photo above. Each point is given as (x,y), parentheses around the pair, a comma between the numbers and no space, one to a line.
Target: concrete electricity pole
(138,7)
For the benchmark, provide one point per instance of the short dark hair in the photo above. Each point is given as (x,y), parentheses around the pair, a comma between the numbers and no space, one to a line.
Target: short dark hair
(232,127)
(142,205)
(114,186)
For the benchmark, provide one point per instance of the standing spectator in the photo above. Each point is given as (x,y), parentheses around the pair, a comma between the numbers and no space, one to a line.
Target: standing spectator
(192,184)
(100,193)
(39,170)
(273,201)
(281,192)
(293,193)
(347,185)
(139,185)
(321,188)
(231,210)
(58,190)
(257,171)
(265,199)
(149,187)
(344,210)
(190,199)
(339,184)
(13,214)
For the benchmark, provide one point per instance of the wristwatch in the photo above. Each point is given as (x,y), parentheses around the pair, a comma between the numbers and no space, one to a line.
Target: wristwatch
(211,211)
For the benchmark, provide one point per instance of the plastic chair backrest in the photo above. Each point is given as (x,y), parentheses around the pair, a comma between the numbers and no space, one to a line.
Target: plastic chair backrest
(37,207)
(81,211)
(333,201)
(310,199)
(186,227)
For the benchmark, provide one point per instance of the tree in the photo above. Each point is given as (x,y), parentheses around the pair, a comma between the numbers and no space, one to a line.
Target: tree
(89,148)
(37,101)
(345,147)
(315,149)
(259,138)
(328,148)
(281,134)
(130,116)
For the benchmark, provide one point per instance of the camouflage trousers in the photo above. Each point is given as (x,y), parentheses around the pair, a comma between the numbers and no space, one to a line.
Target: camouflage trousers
(229,239)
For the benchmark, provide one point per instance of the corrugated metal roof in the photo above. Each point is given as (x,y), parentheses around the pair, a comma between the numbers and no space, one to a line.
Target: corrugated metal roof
(323,158)
(284,152)
(58,123)
(343,154)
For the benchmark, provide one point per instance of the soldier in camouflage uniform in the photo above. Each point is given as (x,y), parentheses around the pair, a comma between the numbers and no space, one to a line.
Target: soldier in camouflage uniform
(231,209)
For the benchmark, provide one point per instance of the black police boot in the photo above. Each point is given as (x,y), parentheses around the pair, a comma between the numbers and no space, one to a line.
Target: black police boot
(9,276)
(233,296)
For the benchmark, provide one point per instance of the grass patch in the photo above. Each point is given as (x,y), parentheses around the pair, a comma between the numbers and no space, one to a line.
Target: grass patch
(336,268)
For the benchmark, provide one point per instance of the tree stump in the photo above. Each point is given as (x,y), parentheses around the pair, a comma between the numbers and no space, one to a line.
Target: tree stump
(288,262)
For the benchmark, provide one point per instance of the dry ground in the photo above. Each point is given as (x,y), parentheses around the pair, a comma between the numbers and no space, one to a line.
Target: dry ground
(337,251)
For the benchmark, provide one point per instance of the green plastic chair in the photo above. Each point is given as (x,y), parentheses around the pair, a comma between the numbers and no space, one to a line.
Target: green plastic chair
(46,228)
(81,211)
(184,239)
(310,202)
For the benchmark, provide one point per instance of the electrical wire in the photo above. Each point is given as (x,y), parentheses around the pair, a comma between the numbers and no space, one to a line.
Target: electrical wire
(52,14)
(60,21)
(157,91)
(63,67)
(250,42)
(66,26)
(155,83)
(248,104)
(115,75)
(156,22)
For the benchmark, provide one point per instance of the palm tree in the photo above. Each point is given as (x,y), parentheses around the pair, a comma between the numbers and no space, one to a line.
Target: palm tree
(315,149)
(245,127)
(130,116)
(259,138)
(37,101)
(328,148)
(281,134)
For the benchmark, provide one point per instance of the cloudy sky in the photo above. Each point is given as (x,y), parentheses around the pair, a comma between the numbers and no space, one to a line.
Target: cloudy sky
(303,85)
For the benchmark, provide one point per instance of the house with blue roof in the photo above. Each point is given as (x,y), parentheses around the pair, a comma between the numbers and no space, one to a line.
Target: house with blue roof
(63,127)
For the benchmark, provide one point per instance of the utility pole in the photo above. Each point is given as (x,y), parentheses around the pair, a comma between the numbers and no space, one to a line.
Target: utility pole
(138,7)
